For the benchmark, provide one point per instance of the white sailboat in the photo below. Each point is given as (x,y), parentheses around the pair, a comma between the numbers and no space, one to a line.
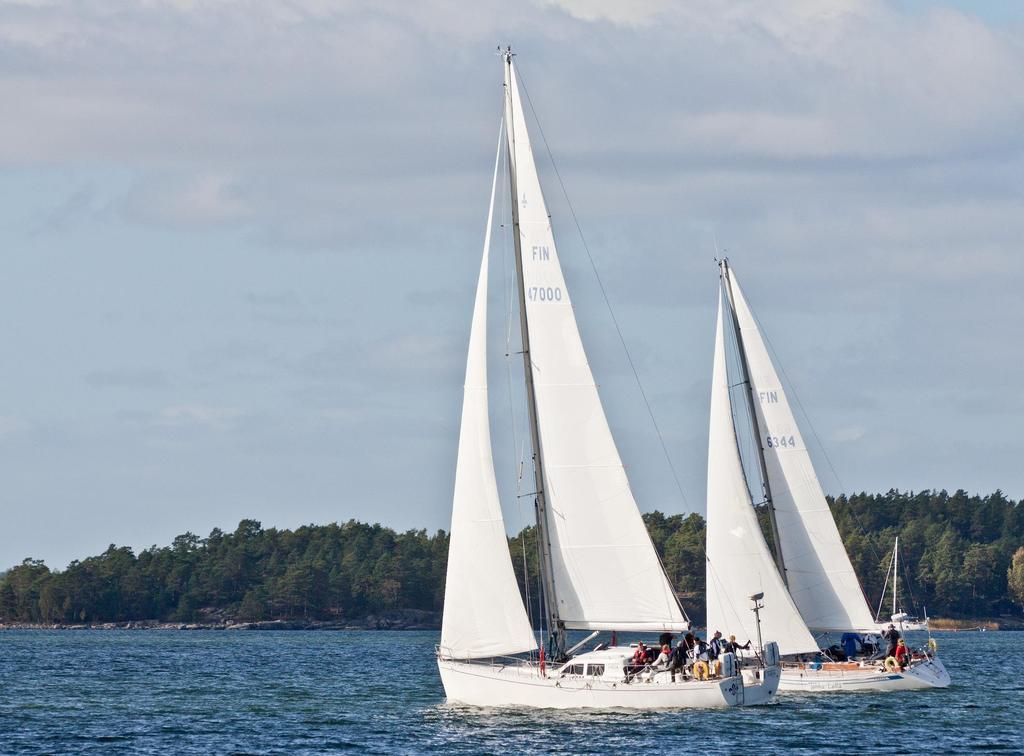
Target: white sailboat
(600,571)
(814,593)
(903,620)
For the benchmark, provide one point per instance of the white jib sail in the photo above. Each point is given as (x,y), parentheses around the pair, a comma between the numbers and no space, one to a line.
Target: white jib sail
(819,575)
(739,563)
(483,611)
(607,573)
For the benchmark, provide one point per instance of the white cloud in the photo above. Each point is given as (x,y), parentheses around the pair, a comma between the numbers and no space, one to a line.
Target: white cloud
(634,13)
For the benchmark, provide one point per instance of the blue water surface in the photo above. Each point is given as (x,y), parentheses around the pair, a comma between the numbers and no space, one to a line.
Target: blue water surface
(169,691)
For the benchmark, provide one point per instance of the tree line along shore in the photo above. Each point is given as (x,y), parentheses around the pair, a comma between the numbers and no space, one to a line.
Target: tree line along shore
(963,555)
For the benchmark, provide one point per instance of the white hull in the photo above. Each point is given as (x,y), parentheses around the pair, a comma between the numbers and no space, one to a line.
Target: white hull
(904,627)
(521,685)
(930,673)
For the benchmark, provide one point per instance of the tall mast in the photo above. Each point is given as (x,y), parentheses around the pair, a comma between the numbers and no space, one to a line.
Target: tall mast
(749,393)
(895,571)
(556,630)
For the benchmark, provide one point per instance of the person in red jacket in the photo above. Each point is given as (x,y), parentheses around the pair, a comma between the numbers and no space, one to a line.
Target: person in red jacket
(902,654)
(638,662)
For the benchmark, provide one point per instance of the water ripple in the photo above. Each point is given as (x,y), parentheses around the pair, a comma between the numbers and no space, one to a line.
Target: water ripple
(378,692)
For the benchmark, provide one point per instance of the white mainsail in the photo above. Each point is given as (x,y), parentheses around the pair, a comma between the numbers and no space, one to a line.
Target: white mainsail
(606,572)
(819,575)
(483,611)
(739,563)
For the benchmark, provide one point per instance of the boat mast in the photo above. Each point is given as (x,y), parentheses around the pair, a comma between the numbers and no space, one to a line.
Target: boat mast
(885,587)
(749,393)
(895,572)
(556,629)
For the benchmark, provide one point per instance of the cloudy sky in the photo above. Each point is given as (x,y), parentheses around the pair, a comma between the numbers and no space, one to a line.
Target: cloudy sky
(240,239)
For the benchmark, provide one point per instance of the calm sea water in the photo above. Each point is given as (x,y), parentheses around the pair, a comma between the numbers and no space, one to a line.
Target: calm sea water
(313,692)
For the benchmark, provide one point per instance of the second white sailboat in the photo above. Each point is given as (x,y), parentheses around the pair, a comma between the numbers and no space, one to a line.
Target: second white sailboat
(815,597)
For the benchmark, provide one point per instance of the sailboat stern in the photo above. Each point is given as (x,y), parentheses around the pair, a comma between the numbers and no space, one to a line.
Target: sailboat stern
(924,674)
(761,683)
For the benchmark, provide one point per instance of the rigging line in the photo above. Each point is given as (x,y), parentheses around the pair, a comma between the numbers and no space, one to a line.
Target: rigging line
(906,579)
(814,432)
(885,586)
(604,294)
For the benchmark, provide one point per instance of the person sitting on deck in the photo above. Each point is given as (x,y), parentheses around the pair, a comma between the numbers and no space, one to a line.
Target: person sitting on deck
(638,662)
(902,654)
(640,655)
(664,658)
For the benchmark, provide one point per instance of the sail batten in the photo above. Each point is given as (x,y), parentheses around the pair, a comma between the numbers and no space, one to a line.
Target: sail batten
(820,576)
(605,570)
(739,563)
(484,614)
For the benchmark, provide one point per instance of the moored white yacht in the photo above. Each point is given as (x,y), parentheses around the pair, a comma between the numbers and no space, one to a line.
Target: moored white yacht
(599,569)
(901,619)
(813,597)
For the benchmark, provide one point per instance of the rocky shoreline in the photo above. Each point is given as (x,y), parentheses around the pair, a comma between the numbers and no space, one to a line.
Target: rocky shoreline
(405,620)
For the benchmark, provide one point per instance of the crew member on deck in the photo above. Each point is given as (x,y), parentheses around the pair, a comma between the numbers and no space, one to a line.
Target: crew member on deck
(715,645)
(678,661)
(849,642)
(732,647)
(638,662)
(902,654)
(892,637)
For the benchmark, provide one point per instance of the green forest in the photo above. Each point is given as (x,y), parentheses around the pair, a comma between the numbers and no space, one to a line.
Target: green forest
(957,551)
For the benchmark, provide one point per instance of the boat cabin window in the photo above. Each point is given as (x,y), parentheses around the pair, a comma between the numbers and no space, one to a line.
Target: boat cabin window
(572,670)
(595,670)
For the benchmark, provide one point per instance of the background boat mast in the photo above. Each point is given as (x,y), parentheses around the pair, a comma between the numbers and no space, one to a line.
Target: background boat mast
(895,573)
(556,630)
(749,393)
